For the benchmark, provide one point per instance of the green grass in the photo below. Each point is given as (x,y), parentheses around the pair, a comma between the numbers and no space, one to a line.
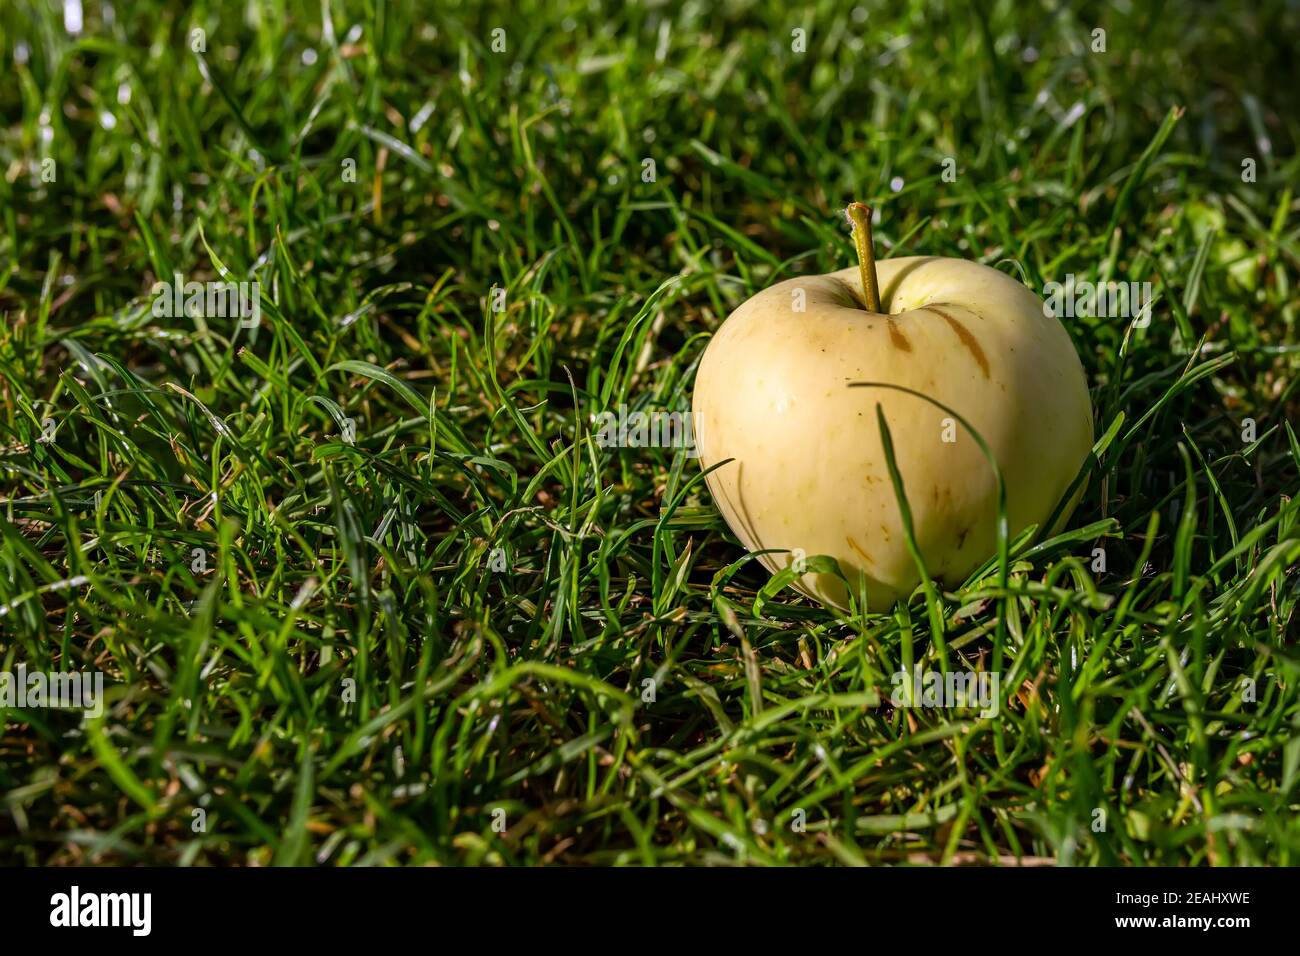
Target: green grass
(343,678)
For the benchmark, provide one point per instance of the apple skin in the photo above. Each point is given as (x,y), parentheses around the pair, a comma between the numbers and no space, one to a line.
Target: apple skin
(772,392)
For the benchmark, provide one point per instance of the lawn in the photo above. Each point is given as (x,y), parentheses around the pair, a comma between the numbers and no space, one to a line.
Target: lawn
(365,588)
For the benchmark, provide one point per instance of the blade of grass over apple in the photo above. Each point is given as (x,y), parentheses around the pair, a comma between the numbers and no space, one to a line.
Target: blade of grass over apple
(933,602)
(1000,522)
(789,576)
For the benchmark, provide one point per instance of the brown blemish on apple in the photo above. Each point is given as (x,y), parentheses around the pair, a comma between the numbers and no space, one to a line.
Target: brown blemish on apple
(896,338)
(862,554)
(968,340)
(941,498)
(961,538)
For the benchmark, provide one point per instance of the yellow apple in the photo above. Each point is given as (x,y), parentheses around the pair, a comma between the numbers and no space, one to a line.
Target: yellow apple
(808,474)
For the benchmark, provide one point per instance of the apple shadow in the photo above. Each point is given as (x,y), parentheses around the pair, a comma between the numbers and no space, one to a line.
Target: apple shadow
(855,293)
(887,293)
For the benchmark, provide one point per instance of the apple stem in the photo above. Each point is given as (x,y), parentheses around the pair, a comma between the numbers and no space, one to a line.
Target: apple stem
(860,216)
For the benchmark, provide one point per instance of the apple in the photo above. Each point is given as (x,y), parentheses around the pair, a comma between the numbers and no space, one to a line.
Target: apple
(805,471)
